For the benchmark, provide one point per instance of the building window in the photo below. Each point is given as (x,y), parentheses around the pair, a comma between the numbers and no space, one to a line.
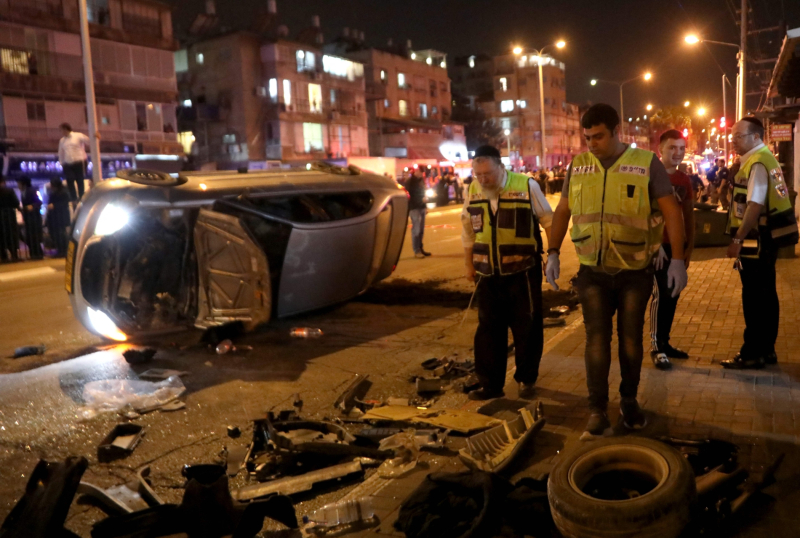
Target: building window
(229,139)
(187,103)
(522,104)
(387,104)
(200,58)
(401,80)
(141,117)
(422,110)
(305,61)
(287,92)
(315,98)
(384,78)
(14,61)
(444,87)
(333,97)
(503,84)
(434,111)
(312,137)
(273,89)
(36,111)
(433,88)
(403,105)
(507,105)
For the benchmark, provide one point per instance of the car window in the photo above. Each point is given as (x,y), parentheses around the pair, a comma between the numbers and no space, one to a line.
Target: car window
(305,208)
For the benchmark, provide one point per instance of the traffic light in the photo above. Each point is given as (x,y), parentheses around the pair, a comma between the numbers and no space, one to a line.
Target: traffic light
(722,122)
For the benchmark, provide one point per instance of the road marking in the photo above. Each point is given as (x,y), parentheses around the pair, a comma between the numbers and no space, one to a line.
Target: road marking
(27,273)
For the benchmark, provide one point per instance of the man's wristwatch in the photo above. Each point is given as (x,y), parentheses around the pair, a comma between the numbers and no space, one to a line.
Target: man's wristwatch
(737,241)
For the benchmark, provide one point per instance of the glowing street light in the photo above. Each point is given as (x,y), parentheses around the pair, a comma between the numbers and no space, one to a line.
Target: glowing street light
(517,50)
(561,44)
(593,82)
(649,107)
(507,132)
(648,75)
(701,111)
(686,104)
(692,39)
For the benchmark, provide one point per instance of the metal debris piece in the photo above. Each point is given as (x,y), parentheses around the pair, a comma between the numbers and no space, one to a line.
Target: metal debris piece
(120,443)
(145,489)
(430,384)
(235,459)
(354,392)
(138,356)
(296,484)
(431,364)
(495,449)
(160,374)
(397,413)
(456,420)
(115,500)
(425,438)
(174,405)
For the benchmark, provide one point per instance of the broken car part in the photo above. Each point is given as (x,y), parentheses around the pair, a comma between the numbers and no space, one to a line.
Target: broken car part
(160,374)
(296,484)
(234,432)
(495,449)
(425,438)
(120,442)
(139,356)
(352,395)
(430,384)
(115,500)
(26,351)
(42,509)
(448,419)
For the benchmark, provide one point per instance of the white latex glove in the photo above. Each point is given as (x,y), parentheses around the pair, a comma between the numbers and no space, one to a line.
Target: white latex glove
(676,276)
(660,259)
(553,269)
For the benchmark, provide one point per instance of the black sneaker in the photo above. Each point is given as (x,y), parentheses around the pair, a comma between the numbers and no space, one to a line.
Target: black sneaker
(673,352)
(527,391)
(771,358)
(483,394)
(632,416)
(660,360)
(740,362)
(425,253)
(598,427)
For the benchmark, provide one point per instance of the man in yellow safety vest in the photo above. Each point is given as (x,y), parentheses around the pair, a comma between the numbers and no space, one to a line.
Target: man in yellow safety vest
(761,220)
(619,198)
(502,246)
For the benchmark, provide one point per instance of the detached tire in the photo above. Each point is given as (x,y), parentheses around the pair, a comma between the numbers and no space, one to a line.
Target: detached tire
(620,488)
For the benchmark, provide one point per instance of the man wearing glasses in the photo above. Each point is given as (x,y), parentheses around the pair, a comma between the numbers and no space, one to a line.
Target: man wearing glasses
(503,247)
(761,220)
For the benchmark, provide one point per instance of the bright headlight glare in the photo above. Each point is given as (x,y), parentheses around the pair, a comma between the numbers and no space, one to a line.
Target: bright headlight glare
(430,193)
(112,219)
(103,324)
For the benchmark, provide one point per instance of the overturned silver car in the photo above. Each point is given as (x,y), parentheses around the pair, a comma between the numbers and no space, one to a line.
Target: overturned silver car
(151,253)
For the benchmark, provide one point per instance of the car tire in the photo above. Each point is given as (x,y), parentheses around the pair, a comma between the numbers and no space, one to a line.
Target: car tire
(661,512)
(152,178)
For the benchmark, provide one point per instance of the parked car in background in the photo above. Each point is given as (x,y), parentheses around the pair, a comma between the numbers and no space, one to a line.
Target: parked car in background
(151,253)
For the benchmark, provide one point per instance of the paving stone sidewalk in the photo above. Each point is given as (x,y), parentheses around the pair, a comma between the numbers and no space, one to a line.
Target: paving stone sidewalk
(757,409)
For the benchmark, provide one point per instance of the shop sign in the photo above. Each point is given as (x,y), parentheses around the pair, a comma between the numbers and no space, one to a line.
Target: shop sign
(780,132)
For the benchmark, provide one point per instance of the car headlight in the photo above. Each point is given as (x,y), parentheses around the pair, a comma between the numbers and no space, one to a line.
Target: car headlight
(103,324)
(112,219)
(430,193)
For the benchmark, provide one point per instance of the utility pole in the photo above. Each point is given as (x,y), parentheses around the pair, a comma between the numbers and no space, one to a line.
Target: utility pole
(88,80)
(742,64)
(725,115)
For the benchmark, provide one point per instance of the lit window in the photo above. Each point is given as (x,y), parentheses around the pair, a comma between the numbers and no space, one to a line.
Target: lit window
(333,96)
(401,80)
(273,89)
(434,111)
(507,105)
(341,67)
(14,61)
(387,103)
(187,102)
(315,97)
(287,91)
(423,110)
(200,58)
(522,104)
(312,137)
(504,84)
(229,139)
(403,105)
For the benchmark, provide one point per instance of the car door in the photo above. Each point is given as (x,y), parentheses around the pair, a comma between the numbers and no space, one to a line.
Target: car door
(233,271)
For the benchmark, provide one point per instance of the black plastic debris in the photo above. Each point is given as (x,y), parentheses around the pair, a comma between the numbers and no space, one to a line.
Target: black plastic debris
(120,443)
(234,432)
(353,394)
(27,351)
(42,510)
(139,356)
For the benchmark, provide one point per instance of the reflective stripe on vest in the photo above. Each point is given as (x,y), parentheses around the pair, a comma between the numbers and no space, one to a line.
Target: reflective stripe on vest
(614,222)
(510,235)
(778,224)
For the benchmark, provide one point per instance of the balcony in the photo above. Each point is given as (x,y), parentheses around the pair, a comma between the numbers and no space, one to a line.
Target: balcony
(319,112)
(375,91)
(114,141)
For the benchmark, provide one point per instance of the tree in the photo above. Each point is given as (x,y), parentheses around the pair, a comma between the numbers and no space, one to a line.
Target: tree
(478,129)
(673,117)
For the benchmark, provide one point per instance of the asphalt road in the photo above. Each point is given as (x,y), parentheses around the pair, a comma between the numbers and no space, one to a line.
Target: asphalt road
(416,314)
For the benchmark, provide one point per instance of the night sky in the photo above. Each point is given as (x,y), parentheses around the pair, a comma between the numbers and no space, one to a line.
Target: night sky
(606,39)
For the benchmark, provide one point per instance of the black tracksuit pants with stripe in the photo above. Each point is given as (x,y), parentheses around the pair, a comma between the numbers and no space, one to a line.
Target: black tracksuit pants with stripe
(515,302)
(663,305)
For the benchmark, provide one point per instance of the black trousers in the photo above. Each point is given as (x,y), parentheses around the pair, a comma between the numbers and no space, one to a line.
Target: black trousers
(663,305)
(760,304)
(74,173)
(9,235)
(601,295)
(34,233)
(515,302)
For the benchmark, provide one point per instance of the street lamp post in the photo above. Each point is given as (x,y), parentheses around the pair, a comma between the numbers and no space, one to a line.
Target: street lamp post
(539,54)
(645,76)
(507,132)
(740,78)
(88,79)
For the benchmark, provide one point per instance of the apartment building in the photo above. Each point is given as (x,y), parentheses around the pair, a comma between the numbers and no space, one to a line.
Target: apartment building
(42,84)
(247,99)
(472,79)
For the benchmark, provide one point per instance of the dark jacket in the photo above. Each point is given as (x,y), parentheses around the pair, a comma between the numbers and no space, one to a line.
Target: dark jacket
(416,192)
(8,198)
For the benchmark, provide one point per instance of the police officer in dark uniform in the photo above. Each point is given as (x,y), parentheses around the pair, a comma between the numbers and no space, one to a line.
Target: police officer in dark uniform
(502,243)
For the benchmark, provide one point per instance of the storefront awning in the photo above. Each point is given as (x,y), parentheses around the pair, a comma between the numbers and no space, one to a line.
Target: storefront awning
(425,153)
(785,80)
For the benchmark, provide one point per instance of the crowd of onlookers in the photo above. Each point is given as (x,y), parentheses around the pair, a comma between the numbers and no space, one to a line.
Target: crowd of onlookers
(29,227)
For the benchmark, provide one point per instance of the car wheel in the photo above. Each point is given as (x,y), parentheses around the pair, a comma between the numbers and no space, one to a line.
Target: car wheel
(153,178)
(620,488)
